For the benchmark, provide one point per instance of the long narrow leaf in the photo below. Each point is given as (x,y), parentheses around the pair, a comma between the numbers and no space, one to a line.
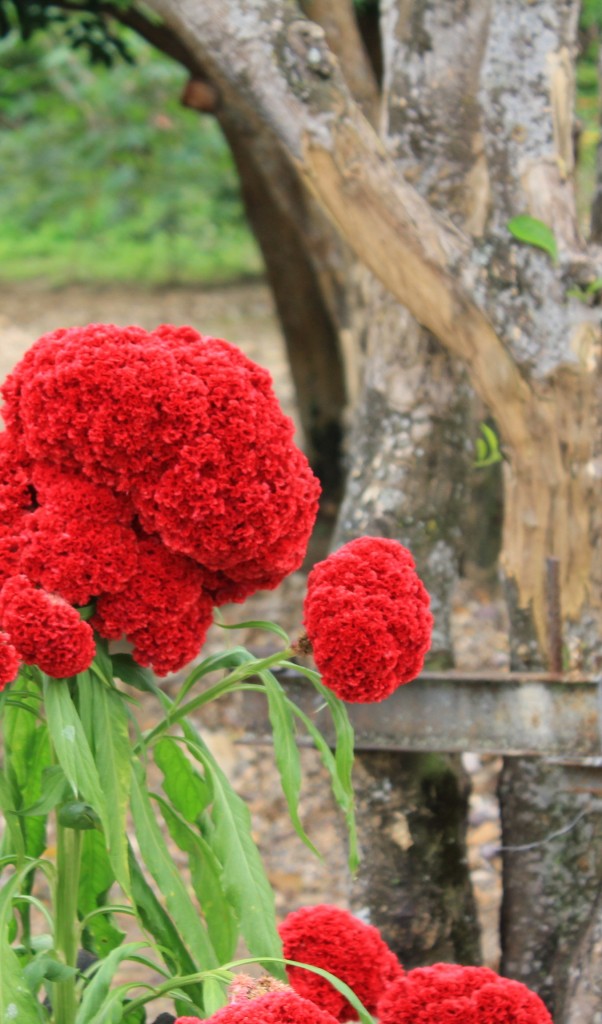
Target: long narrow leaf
(205,873)
(155,920)
(244,879)
(189,793)
(112,754)
(343,751)
(343,797)
(98,988)
(161,866)
(268,627)
(286,752)
(75,757)
(16,1000)
(96,878)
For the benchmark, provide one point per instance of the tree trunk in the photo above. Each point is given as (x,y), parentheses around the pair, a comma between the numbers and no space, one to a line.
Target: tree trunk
(306,266)
(409,458)
(413,881)
(552,863)
(532,353)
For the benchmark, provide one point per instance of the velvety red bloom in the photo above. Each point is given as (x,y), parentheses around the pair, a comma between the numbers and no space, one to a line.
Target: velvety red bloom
(77,559)
(367,618)
(114,434)
(164,610)
(446,993)
(10,661)
(331,938)
(510,1002)
(284,1007)
(45,630)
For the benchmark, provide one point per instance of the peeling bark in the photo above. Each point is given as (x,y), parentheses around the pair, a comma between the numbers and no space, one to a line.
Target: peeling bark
(533,355)
(408,456)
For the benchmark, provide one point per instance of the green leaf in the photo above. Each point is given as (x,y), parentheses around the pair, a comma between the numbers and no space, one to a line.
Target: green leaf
(16,1000)
(96,878)
(75,757)
(112,755)
(206,877)
(268,627)
(244,880)
(99,987)
(126,669)
(344,754)
(44,968)
(343,795)
(487,448)
(226,659)
(14,840)
(160,863)
(53,789)
(286,752)
(534,232)
(158,923)
(71,746)
(188,792)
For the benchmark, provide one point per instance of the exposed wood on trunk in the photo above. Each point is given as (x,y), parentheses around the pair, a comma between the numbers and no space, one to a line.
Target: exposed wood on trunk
(280,67)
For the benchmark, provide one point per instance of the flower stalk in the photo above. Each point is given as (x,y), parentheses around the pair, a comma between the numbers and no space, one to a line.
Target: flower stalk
(68,862)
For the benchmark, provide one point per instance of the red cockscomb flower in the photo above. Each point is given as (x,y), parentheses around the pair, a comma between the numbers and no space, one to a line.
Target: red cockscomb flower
(367,618)
(118,438)
(446,993)
(10,661)
(164,611)
(331,938)
(284,1007)
(45,630)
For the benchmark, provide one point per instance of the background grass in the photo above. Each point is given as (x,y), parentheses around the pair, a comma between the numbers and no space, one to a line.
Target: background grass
(107,178)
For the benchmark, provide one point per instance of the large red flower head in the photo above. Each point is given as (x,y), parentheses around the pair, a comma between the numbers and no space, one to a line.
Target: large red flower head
(120,441)
(452,994)
(367,618)
(284,1007)
(331,938)
(45,630)
(9,661)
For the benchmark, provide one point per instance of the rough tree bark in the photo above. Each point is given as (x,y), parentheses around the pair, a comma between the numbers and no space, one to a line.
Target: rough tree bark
(409,460)
(532,353)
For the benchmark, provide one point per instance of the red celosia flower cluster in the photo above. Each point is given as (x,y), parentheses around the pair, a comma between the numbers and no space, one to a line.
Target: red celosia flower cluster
(44,629)
(152,473)
(338,942)
(9,660)
(450,994)
(284,1007)
(367,618)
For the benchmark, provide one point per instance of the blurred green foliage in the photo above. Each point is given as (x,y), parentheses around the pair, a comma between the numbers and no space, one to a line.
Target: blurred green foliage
(106,177)
(588,105)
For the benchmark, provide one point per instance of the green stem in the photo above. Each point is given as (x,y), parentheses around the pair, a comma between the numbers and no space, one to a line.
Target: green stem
(68,860)
(250,668)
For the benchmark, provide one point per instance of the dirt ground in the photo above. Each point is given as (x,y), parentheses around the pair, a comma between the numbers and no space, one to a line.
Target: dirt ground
(244,315)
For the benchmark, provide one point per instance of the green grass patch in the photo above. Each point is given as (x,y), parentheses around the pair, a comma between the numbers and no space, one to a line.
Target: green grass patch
(110,179)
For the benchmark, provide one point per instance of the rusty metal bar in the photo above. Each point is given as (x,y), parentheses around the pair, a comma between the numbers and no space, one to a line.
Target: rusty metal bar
(513,713)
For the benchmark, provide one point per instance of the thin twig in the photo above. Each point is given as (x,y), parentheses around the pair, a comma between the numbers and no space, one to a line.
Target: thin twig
(548,839)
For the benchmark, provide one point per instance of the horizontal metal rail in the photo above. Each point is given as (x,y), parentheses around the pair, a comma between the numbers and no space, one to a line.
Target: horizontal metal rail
(512,713)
